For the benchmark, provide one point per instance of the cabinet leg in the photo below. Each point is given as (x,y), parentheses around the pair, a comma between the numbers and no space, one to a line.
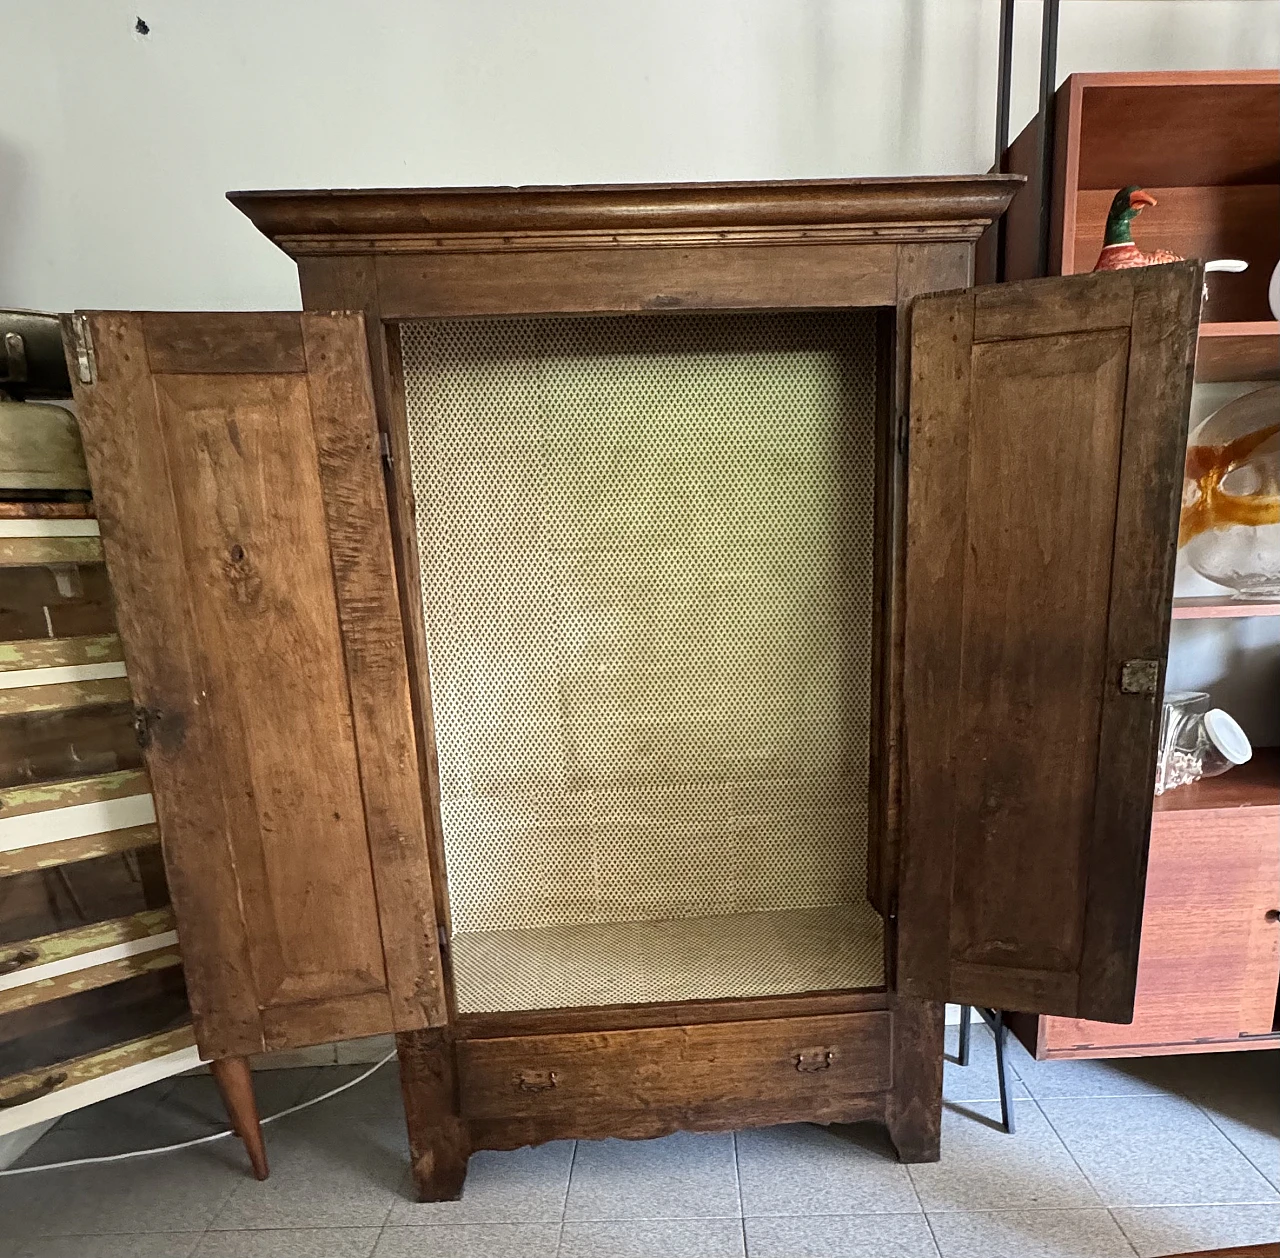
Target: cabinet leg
(438,1143)
(913,1112)
(235,1086)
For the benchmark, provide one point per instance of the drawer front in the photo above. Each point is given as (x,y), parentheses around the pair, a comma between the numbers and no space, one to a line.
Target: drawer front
(805,1066)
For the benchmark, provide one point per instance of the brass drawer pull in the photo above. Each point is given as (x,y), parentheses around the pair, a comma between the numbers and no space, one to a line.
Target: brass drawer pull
(43,1088)
(16,960)
(536,1080)
(810,1060)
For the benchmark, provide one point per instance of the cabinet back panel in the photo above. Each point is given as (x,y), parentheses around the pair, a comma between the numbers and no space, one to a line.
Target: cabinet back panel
(646,548)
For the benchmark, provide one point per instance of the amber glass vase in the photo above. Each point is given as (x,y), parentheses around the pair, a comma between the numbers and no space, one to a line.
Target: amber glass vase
(1230,526)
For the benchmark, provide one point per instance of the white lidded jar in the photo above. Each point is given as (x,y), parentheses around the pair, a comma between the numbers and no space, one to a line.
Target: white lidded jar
(1196,741)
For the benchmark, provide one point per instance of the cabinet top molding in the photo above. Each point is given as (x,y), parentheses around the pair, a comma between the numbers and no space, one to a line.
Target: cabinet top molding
(421,220)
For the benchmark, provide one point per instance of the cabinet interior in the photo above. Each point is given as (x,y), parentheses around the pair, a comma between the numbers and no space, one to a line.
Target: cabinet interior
(647,551)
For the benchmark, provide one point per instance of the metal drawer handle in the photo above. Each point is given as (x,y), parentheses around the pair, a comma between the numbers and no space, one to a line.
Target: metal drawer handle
(536,1080)
(35,1093)
(16,960)
(810,1060)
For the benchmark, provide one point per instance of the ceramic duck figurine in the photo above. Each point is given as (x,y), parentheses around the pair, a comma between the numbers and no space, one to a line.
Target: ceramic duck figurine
(1118,249)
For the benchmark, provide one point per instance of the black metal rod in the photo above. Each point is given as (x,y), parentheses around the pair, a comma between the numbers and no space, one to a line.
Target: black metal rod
(994,1018)
(1048,86)
(1004,87)
(1004,82)
(1001,1033)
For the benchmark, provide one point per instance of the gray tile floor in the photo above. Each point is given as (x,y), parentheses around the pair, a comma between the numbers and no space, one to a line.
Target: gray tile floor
(1110,1160)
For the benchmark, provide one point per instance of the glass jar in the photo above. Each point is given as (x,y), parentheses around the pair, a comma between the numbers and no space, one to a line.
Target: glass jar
(1196,741)
(1230,524)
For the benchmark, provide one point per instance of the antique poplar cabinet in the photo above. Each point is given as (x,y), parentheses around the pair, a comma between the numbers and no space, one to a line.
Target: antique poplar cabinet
(647,645)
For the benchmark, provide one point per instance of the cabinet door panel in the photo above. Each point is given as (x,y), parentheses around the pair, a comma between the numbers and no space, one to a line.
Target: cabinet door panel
(1047,428)
(236,470)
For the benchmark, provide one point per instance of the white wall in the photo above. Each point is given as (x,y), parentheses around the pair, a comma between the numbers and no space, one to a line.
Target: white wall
(116,148)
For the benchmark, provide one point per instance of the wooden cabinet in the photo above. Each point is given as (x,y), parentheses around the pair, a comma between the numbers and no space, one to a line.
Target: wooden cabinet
(700,625)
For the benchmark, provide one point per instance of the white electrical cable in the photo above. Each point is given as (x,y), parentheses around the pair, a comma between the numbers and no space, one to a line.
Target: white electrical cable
(187,1144)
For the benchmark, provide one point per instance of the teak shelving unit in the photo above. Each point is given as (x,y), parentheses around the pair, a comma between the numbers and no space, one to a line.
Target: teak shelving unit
(1206,144)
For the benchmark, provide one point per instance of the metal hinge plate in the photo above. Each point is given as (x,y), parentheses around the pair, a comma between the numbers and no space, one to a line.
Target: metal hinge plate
(13,361)
(82,339)
(1139,677)
(384,447)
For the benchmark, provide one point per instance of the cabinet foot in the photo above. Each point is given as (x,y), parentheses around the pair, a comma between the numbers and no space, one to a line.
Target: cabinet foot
(438,1142)
(235,1086)
(913,1112)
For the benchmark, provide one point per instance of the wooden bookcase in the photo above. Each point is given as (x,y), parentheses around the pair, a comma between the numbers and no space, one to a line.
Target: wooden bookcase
(1206,145)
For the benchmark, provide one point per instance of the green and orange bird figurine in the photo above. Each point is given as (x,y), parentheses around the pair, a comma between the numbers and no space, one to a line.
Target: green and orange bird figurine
(1118,250)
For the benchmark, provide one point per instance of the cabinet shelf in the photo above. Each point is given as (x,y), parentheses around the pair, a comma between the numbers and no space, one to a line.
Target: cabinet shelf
(1219,606)
(1252,785)
(1238,351)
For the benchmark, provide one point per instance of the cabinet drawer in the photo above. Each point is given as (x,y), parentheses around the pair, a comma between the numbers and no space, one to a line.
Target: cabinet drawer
(812,1066)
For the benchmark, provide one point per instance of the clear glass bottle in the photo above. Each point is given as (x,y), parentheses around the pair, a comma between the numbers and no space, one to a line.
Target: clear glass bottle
(1196,741)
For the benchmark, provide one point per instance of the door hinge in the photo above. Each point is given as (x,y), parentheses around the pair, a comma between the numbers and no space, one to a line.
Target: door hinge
(903,436)
(82,340)
(443,936)
(13,362)
(143,720)
(1139,677)
(384,447)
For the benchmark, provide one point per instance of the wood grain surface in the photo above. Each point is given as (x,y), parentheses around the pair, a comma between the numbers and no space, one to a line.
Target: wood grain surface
(1028,768)
(253,651)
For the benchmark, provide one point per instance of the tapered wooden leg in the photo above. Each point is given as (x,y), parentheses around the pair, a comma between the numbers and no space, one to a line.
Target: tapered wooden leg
(438,1141)
(235,1086)
(914,1109)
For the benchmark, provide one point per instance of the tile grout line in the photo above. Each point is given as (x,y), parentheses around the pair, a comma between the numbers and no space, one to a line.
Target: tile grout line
(382,1231)
(933,1236)
(1243,1153)
(564,1206)
(1088,1179)
(1128,1240)
(737,1179)
(1160,1096)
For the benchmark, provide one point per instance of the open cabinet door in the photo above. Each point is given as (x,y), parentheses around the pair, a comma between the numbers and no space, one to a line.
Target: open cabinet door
(236,469)
(1048,424)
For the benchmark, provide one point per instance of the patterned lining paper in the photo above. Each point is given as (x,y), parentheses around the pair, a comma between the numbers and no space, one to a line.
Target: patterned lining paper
(646,550)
